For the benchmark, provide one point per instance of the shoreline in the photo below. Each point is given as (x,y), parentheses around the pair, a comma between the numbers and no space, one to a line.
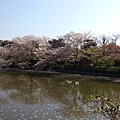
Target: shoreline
(92,73)
(97,75)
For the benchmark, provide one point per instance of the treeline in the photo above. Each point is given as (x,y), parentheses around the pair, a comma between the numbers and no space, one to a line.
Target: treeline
(72,51)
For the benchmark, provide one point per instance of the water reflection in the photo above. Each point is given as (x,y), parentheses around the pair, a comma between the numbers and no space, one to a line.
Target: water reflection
(53,97)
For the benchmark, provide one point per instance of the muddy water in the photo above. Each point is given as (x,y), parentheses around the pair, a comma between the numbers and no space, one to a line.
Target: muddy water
(51,97)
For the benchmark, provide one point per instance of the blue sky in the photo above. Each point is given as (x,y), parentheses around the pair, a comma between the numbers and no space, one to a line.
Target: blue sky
(53,18)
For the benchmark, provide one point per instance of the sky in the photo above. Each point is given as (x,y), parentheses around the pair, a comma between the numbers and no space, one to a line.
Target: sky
(53,18)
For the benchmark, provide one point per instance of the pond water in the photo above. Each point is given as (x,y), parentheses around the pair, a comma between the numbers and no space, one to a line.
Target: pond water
(51,97)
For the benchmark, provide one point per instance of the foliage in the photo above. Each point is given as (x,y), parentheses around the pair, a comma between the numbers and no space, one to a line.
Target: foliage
(6,42)
(110,108)
(76,51)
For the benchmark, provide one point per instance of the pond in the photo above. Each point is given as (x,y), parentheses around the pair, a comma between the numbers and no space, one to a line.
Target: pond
(51,97)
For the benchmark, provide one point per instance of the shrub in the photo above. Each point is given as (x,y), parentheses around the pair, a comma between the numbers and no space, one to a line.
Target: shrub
(110,108)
